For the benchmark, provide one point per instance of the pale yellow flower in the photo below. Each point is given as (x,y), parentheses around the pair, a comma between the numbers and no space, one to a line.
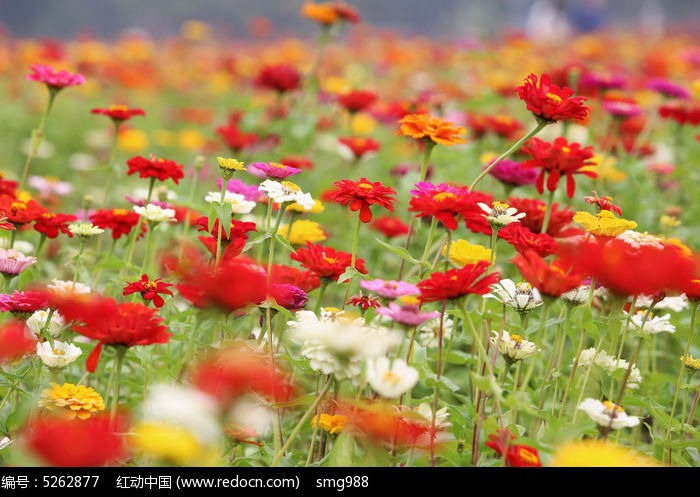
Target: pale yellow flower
(604,223)
(462,253)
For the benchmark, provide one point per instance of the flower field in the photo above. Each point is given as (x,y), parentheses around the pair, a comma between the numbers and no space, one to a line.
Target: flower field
(357,249)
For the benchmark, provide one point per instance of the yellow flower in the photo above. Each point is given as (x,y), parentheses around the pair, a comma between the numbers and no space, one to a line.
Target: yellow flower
(604,223)
(332,424)
(599,453)
(316,209)
(172,445)
(462,253)
(303,231)
(75,400)
(363,124)
(230,164)
(691,363)
(606,167)
(132,140)
(190,139)
(669,222)
(323,13)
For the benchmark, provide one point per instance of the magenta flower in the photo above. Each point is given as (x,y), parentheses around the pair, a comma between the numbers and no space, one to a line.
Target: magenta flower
(291,297)
(249,192)
(55,80)
(13,262)
(667,88)
(272,170)
(390,289)
(513,173)
(408,313)
(24,303)
(621,108)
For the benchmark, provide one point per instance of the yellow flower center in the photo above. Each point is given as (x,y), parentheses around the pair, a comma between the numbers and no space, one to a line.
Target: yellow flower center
(119,212)
(566,150)
(409,300)
(391,378)
(151,285)
(554,98)
(18,206)
(277,165)
(291,186)
(115,107)
(442,196)
(365,186)
(501,206)
(609,406)
(329,260)
(528,456)
(516,338)
(58,352)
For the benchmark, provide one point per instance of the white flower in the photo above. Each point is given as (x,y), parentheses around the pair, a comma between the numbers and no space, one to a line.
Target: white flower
(637,239)
(155,213)
(63,287)
(607,414)
(184,407)
(249,412)
(514,347)
(675,304)
(50,185)
(58,356)
(390,379)
(18,245)
(239,204)
(38,319)
(4,442)
(652,324)
(579,295)
(286,191)
(85,230)
(441,415)
(522,297)
(429,336)
(609,364)
(501,214)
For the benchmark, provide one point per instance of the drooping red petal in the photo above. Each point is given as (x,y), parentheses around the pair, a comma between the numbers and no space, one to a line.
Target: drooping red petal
(365,213)
(94,358)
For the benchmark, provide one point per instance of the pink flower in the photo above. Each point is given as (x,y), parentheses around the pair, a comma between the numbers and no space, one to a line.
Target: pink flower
(55,80)
(407,313)
(271,170)
(390,289)
(13,262)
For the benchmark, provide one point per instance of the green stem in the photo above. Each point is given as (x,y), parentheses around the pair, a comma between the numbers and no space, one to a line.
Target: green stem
(353,258)
(116,386)
(37,138)
(110,164)
(426,250)
(514,148)
(548,212)
(149,235)
(321,293)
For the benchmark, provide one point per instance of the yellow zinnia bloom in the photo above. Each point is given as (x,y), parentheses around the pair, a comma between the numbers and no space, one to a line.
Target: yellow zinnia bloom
(332,424)
(303,231)
(604,223)
(74,400)
(132,140)
(462,253)
(172,445)
(599,453)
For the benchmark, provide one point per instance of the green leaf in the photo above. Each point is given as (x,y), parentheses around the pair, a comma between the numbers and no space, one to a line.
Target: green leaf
(400,251)
(284,242)
(341,453)
(444,381)
(487,384)
(349,273)
(255,241)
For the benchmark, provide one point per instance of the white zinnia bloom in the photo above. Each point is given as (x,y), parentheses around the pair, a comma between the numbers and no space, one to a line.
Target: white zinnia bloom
(441,415)
(609,364)
(606,412)
(637,239)
(579,295)
(38,319)
(522,297)
(85,230)
(285,192)
(249,412)
(18,245)
(239,204)
(501,214)
(155,213)
(652,324)
(514,347)
(429,336)
(58,356)
(390,379)
(184,407)
(64,287)
(675,304)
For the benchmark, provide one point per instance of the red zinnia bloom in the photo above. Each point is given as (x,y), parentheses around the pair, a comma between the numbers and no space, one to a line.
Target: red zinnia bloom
(390,226)
(94,442)
(20,212)
(279,77)
(238,370)
(326,262)
(159,168)
(681,111)
(628,270)
(603,203)
(516,455)
(364,302)
(455,283)
(504,126)
(560,219)
(110,323)
(306,280)
(15,341)
(51,224)
(550,279)
(692,290)
(297,161)
(8,187)
(120,221)
(550,103)
(359,146)
(149,290)
(522,239)
(54,80)
(232,242)
(360,195)
(235,138)
(444,202)
(119,113)
(558,159)
(356,100)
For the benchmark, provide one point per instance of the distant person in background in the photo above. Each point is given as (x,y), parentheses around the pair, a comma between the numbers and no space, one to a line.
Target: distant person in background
(588,15)
(547,21)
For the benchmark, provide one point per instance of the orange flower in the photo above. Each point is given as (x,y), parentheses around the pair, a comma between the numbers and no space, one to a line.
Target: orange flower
(324,13)
(431,129)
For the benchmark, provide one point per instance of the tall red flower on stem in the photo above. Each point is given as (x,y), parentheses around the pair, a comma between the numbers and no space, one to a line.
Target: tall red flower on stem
(326,262)
(51,225)
(356,100)
(455,283)
(281,78)
(447,203)
(557,159)
(119,221)
(551,103)
(360,195)
(20,212)
(118,113)
(158,168)
(550,279)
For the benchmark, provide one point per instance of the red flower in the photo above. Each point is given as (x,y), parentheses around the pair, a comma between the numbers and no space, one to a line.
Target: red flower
(234,138)
(24,303)
(326,262)
(550,279)
(603,203)
(306,280)
(356,100)
(692,290)
(20,212)
(629,270)
(681,111)
(280,77)
(390,226)
(237,370)
(558,159)
(360,195)
(456,283)
(359,146)
(560,219)
(159,168)
(522,239)
(444,202)
(15,341)
(517,455)
(297,161)
(549,102)
(94,442)
(110,323)
(120,221)
(119,113)
(232,242)
(149,290)
(291,297)
(52,224)
(504,126)
(364,302)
